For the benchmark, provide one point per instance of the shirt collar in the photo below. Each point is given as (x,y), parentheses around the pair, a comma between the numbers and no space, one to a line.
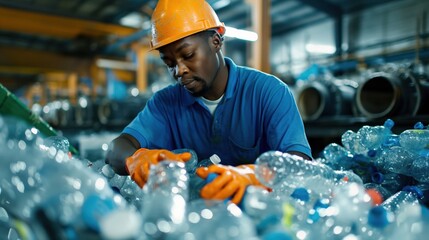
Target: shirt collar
(188,99)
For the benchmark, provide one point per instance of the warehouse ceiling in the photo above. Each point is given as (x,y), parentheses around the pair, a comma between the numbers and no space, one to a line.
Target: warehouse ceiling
(80,28)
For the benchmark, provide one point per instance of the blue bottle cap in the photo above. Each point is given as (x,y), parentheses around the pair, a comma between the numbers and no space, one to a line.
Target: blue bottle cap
(321,203)
(377,177)
(415,190)
(94,208)
(301,194)
(389,123)
(372,153)
(419,125)
(377,217)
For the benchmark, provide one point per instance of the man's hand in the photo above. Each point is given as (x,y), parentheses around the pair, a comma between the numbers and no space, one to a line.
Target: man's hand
(231,182)
(139,163)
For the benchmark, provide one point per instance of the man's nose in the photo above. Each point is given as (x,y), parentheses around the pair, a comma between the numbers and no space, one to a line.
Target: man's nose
(180,70)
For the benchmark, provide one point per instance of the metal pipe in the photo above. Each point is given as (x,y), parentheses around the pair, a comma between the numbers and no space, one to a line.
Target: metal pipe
(391,92)
(328,98)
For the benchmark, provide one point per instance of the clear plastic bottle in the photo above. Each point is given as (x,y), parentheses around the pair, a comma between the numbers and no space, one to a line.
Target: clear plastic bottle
(374,137)
(378,225)
(408,195)
(414,140)
(263,207)
(384,193)
(396,159)
(420,169)
(412,222)
(50,187)
(337,157)
(274,167)
(164,203)
(191,164)
(120,184)
(195,182)
(106,218)
(350,205)
(218,220)
(60,143)
(353,143)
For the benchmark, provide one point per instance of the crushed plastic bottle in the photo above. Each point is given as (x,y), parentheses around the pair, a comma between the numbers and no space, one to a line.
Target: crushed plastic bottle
(274,169)
(415,140)
(164,203)
(218,220)
(337,157)
(374,137)
(408,195)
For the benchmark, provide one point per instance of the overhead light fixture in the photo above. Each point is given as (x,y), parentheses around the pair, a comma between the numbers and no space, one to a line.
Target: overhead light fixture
(221,4)
(320,49)
(132,20)
(241,34)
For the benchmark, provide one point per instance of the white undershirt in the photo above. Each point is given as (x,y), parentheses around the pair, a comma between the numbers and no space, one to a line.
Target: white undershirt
(211,105)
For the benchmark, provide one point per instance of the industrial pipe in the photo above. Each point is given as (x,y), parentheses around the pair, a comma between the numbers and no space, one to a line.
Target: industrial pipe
(391,92)
(327,98)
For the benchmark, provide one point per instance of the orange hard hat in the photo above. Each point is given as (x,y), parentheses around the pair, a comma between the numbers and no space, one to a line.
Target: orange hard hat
(175,19)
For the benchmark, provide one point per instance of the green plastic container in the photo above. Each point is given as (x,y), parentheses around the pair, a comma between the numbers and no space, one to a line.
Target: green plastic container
(11,105)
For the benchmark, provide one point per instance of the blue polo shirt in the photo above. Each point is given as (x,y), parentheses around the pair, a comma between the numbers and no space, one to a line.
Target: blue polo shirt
(257,113)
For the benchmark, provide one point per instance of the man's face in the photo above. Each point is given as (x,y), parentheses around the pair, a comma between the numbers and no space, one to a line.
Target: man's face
(193,62)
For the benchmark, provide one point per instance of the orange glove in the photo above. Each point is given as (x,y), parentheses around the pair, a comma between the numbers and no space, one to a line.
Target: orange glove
(231,182)
(139,163)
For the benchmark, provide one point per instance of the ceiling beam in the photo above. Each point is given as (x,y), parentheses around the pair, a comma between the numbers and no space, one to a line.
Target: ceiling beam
(26,61)
(41,24)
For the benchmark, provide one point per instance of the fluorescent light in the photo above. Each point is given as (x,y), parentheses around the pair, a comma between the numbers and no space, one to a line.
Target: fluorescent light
(132,20)
(321,49)
(221,4)
(115,64)
(241,34)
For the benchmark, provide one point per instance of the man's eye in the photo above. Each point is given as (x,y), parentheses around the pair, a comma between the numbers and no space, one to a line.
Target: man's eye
(189,55)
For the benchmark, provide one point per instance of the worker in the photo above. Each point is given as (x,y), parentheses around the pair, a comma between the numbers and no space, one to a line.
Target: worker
(216,107)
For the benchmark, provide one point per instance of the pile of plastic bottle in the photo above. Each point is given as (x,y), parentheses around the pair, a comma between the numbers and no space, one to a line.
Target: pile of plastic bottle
(372,187)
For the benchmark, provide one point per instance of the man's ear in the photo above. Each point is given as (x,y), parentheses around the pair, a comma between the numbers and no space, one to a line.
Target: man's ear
(217,42)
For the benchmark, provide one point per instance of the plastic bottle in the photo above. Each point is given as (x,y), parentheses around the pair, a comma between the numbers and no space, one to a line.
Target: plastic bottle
(350,204)
(105,217)
(420,169)
(408,195)
(163,207)
(337,157)
(414,140)
(378,225)
(120,184)
(52,188)
(352,142)
(191,164)
(60,143)
(218,220)
(374,137)
(263,207)
(384,193)
(5,225)
(195,182)
(412,222)
(396,159)
(274,167)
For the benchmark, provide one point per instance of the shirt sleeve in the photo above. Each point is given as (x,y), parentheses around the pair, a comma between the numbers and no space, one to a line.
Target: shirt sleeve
(150,127)
(285,127)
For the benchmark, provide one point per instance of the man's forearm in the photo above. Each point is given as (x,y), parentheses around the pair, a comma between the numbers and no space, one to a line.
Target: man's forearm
(119,149)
